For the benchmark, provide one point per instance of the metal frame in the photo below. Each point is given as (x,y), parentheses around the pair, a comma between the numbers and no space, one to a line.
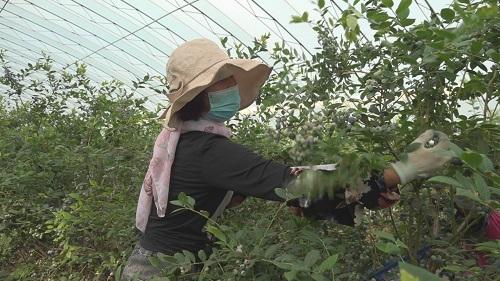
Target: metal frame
(134,49)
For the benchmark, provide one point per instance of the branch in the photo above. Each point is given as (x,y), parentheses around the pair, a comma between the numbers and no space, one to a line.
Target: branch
(433,14)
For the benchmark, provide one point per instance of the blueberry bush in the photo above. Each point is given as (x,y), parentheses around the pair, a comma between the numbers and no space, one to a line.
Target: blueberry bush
(73,153)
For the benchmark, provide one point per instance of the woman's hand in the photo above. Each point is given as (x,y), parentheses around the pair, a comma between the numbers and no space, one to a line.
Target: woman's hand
(296,171)
(388,199)
(433,152)
(148,186)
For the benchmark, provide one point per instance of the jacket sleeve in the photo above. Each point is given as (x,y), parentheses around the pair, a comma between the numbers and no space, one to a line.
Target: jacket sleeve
(231,166)
(336,209)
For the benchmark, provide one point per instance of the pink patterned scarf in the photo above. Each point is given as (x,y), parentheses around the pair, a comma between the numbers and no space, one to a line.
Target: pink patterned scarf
(158,174)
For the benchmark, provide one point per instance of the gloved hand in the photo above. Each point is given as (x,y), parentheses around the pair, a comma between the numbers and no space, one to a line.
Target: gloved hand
(430,156)
(379,196)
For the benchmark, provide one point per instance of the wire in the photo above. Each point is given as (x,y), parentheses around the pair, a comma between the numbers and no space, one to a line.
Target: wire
(139,29)
(4,6)
(422,11)
(166,27)
(281,25)
(228,32)
(251,11)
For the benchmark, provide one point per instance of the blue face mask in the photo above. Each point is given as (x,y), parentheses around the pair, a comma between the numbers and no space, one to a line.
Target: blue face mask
(224,104)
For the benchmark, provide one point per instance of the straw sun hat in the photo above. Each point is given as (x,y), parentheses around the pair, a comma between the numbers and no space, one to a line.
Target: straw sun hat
(199,63)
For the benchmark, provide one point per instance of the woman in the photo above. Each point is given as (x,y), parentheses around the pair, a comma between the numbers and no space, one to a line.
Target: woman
(193,155)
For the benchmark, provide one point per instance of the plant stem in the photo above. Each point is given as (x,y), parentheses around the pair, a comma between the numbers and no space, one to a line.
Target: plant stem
(486,100)
(433,14)
(271,223)
(419,220)
(393,222)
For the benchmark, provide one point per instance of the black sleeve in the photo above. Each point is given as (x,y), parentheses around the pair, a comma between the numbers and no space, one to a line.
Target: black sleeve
(336,209)
(228,165)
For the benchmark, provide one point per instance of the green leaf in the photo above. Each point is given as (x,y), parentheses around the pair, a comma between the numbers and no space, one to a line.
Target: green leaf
(490,247)
(377,16)
(298,19)
(167,259)
(446,180)
(223,41)
(424,33)
(311,258)
(447,14)
(456,149)
(468,193)
(190,201)
(445,34)
(351,21)
(282,193)
(328,264)
(271,250)
(413,147)
(403,5)
(290,275)
(454,268)
(494,190)
(495,204)
(118,273)
(216,232)
(176,203)
(184,201)
(385,235)
(474,159)
(407,22)
(321,4)
(411,272)
(487,11)
(404,14)
(202,255)
(388,248)
(476,46)
(179,257)
(464,181)
(305,16)
(481,187)
(283,265)
(319,277)
(189,256)
(75,196)
(400,244)
(155,261)
(402,11)
(494,55)
(285,194)
(388,3)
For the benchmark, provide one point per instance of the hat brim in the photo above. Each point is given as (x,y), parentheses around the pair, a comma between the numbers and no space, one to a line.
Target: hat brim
(249,74)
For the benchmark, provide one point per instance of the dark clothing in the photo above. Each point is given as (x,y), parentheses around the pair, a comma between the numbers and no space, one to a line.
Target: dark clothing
(337,210)
(206,166)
